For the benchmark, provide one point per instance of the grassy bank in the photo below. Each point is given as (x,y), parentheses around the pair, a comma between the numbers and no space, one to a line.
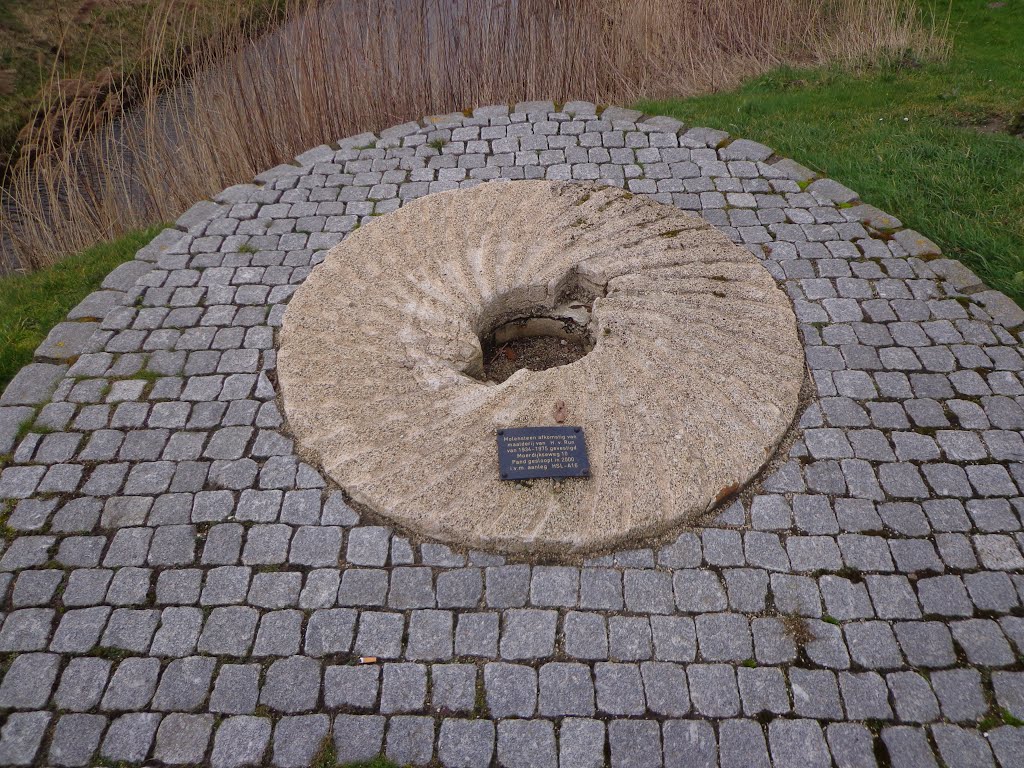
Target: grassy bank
(30,305)
(69,50)
(350,67)
(929,143)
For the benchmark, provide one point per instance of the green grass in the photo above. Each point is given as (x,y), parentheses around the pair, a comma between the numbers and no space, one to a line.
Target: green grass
(30,305)
(925,142)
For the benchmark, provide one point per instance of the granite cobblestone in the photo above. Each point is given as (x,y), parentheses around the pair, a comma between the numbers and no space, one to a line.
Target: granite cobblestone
(171,559)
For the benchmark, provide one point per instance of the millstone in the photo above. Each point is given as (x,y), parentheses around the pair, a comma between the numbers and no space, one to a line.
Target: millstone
(691,379)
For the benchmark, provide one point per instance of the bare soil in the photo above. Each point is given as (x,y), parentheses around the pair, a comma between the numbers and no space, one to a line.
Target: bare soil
(537,353)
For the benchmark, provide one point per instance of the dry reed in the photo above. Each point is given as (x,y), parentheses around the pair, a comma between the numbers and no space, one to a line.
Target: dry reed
(208,114)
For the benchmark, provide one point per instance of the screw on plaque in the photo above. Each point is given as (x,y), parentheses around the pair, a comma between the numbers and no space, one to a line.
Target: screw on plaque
(560,411)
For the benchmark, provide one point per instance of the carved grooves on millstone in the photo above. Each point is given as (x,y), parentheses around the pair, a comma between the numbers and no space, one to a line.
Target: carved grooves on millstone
(693,379)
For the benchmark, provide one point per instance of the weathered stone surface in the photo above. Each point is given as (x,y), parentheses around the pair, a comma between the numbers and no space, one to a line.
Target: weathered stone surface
(33,384)
(1002,308)
(96,305)
(645,297)
(916,244)
(66,340)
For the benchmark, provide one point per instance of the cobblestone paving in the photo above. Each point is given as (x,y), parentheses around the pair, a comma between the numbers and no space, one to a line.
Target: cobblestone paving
(178,587)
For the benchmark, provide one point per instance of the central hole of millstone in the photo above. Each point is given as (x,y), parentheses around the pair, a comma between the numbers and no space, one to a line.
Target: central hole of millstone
(536,343)
(537,337)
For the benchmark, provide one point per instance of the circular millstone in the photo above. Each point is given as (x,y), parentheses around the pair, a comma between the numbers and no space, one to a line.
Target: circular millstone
(692,381)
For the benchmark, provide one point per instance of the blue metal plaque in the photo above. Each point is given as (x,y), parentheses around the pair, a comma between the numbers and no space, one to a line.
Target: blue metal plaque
(530,452)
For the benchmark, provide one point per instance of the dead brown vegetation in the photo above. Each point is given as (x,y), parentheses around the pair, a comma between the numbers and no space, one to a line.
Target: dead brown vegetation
(207,114)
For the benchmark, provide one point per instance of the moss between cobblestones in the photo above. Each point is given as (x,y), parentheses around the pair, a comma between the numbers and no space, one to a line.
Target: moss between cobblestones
(30,305)
(379,762)
(930,144)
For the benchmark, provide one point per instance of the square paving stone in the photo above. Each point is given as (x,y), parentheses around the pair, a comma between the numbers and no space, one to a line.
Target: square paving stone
(298,740)
(1009,691)
(1007,743)
(528,634)
(815,693)
(237,689)
(82,684)
(380,634)
(461,588)
(75,739)
(508,586)
(554,586)
(586,636)
(27,629)
(665,688)
(178,633)
(601,589)
(130,736)
(699,591)
(410,740)
(713,690)
(316,546)
(275,590)
(908,747)
(240,740)
(363,587)
(926,643)
(229,631)
(961,746)
(351,687)
(430,636)
(526,744)
(723,637)
(865,695)
(566,689)
(131,630)
(132,685)
(983,642)
(510,689)
(320,590)
(368,545)
(741,744)
(912,697)
(34,588)
(961,693)
(675,638)
(872,645)
(476,634)
(182,739)
(184,684)
(403,688)
(411,588)
(465,743)
(629,638)
(331,631)
(28,681)
(581,743)
(762,689)
(689,743)
(292,685)
(798,743)
(453,687)
(635,743)
(358,738)
(619,688)
(852,745)
(21,735)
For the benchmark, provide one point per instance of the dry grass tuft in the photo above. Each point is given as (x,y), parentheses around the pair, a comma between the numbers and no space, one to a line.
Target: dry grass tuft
(203,116)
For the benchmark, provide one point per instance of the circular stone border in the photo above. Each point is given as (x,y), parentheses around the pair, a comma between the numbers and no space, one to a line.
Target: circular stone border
(693,380)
